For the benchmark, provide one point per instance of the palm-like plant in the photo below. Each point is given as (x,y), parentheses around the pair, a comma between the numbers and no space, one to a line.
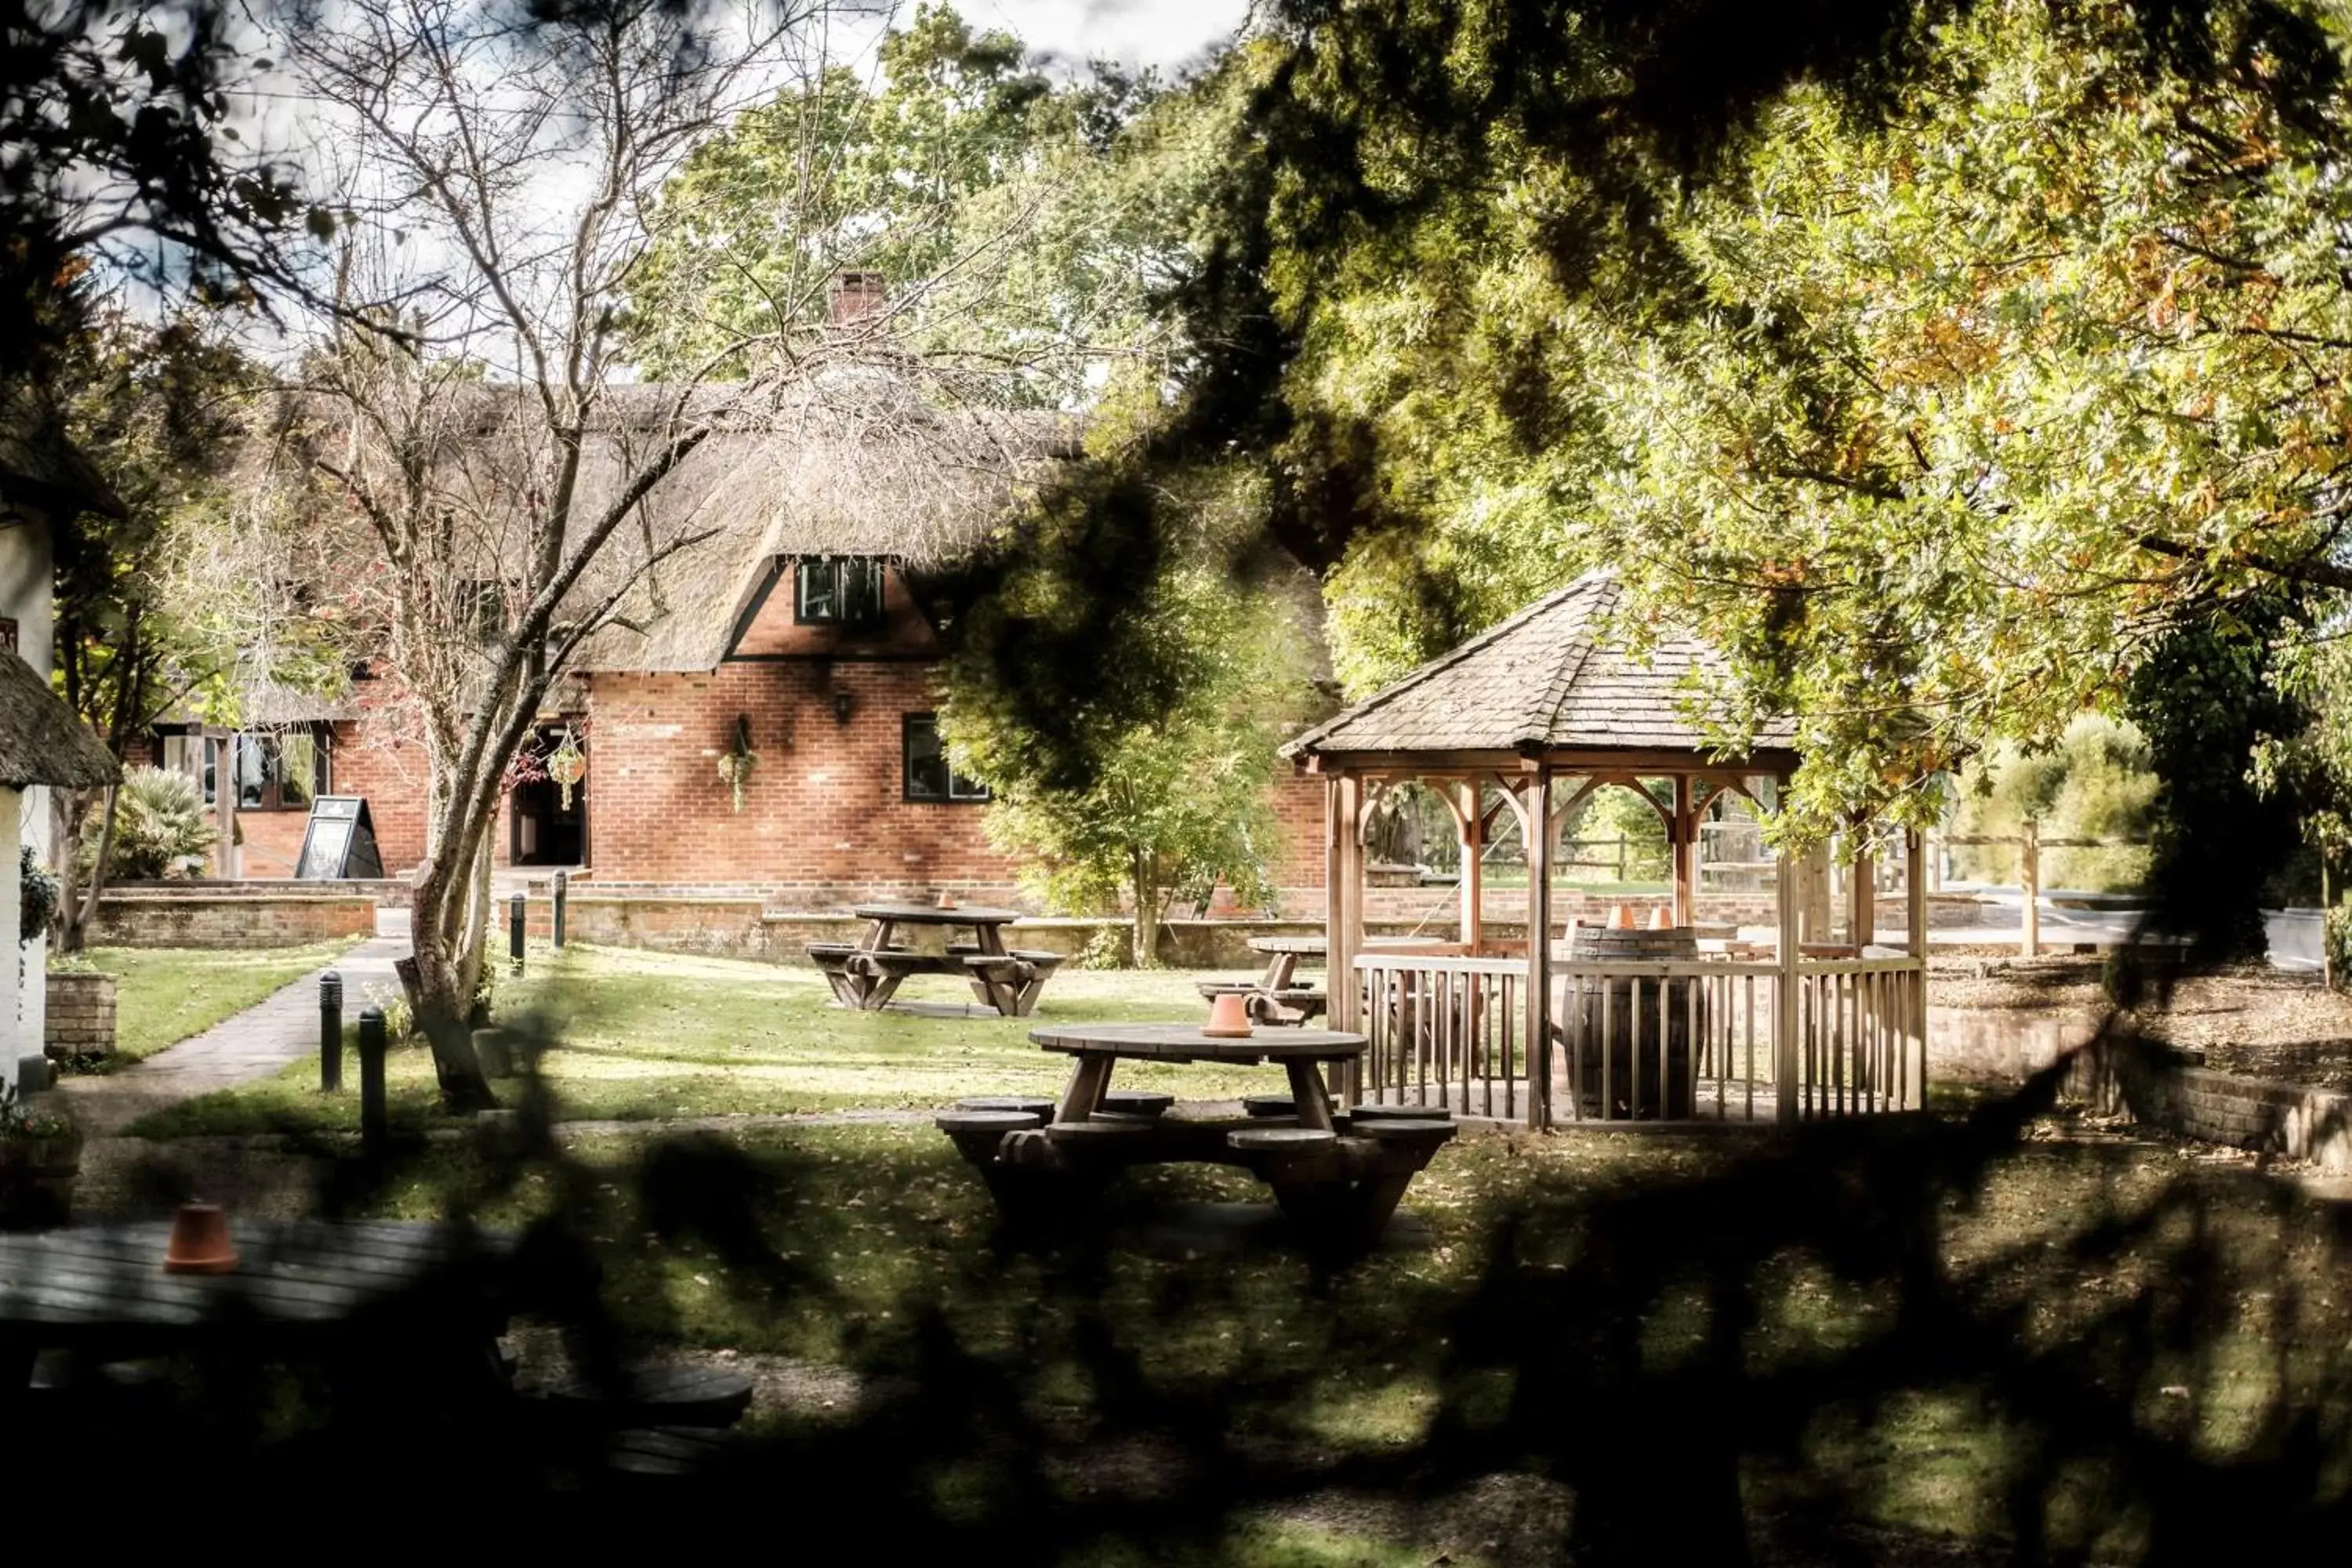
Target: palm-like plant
(160,820)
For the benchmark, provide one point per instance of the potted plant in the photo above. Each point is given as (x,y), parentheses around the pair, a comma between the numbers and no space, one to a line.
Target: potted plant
(40,1155)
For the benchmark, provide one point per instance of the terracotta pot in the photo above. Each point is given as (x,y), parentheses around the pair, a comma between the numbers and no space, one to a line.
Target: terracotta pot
(200,1243)
(1229,1016)
(947,900)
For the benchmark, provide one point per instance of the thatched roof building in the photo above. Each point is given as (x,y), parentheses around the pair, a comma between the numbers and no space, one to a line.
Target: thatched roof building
(41,740)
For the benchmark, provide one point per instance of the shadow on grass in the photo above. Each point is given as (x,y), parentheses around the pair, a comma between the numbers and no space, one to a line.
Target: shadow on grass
(1714,1357)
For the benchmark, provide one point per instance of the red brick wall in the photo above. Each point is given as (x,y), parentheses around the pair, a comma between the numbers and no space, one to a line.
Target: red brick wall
(273,841)
(823,821)
(1296,862)
(390,771)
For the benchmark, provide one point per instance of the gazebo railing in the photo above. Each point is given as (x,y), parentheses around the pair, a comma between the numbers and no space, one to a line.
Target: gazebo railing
(1658,1040)
(1443,1030)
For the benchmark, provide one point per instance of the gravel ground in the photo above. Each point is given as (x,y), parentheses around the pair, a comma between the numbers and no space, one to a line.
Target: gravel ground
(2250,1019)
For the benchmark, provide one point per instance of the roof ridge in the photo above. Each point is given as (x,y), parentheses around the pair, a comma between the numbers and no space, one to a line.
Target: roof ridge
(1445,660)
(1542,722)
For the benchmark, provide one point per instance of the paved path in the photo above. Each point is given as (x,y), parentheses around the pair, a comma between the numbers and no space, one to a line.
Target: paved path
(250,1045)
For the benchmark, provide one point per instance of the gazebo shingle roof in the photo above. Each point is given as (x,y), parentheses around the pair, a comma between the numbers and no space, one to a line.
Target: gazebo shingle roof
(1553,678)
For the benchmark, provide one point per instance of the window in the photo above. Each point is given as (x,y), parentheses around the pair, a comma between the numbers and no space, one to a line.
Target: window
(194,756)
(837,591)
(280,772)
(929,777)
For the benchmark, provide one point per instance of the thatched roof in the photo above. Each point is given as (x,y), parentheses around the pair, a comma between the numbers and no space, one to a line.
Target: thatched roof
(855,463)
(41,740)
(923,489)
(1554,677)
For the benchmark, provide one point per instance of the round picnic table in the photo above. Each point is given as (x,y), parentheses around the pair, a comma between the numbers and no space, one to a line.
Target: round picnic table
(100,1290)
(1099,1047)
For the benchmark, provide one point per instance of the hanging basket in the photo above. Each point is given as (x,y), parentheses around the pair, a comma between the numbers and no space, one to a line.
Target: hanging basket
(735,763)
(567,765)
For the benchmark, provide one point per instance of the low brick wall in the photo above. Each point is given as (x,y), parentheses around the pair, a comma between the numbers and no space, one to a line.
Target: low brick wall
(2159,1087)
(78,1022)
(147,918)
(390,892)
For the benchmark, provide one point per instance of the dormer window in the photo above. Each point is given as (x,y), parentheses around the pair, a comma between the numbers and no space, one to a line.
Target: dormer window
(843,591)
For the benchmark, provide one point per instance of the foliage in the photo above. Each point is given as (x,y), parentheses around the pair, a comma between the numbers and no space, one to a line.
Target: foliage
(2095,783)
(19,1120)
(160,822)
(36,898)
(1938,417)
(116,143)
(1156,781)
(1614,812)
(2205,698)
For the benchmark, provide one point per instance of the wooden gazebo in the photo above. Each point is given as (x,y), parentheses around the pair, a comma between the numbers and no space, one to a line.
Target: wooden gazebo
(1541,711)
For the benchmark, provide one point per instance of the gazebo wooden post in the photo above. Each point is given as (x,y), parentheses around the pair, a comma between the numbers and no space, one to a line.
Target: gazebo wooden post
(1915,899)
(1538,998)
(1682,846)
(1784,992)
(1473,882)
(1339,798)
(1863,895)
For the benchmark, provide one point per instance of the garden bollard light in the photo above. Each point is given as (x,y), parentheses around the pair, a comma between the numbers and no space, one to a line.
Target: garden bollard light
(330,1032)
(373,1129)
(515,908)
(562,888)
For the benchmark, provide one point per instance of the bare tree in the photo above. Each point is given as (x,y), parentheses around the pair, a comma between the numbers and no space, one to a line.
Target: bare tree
(503,168)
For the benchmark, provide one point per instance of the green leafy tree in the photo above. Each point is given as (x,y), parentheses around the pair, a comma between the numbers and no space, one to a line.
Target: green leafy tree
(895,178)
(1155,782)
(1942,418)
(2098,782)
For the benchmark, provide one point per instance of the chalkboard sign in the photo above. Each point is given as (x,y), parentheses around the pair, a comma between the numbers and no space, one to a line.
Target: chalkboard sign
(340,841)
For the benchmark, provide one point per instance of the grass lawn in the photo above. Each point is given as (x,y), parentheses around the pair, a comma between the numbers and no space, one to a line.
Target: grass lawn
(163,995)
(644,1034)
(2091,1317)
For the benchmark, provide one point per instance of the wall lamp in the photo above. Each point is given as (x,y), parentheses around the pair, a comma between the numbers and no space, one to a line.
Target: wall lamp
(840,707)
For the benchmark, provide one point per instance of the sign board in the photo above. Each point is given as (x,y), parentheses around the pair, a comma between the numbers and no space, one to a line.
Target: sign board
(340,841)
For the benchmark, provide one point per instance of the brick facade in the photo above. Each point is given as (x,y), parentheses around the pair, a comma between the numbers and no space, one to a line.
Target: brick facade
(824,819)
(202,918)
(79,1023)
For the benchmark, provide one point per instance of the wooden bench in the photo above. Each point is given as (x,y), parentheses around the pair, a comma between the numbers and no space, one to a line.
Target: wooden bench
(661,1394)
(1296,1005)
(1010,982)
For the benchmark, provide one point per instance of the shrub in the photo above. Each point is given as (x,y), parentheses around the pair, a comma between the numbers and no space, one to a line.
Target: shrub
(160,820)
(36,897)
(2096,782)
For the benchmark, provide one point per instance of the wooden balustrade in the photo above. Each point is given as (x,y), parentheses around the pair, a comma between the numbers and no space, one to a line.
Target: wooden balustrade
(1667,1040)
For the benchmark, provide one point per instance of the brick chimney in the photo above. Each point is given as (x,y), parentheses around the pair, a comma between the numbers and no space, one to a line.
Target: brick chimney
(853,299)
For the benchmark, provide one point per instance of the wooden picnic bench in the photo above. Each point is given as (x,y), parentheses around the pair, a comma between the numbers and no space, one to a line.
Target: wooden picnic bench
(1277,996)
(1337,1175)
(866,974)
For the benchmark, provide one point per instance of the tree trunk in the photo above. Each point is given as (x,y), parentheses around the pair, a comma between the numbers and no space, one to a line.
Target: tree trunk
(1147,917)
(77,909)
(445,985)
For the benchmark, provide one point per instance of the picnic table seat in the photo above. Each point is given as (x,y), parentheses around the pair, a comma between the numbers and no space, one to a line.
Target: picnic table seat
(1010,982)
(1137,1102)
(1211,990)
(658,1453)
(1264,1106)
(1377,1112)
(657,1394)
(1293,1005)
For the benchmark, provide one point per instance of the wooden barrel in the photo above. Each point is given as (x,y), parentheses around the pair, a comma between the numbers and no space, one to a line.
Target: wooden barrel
(1645,1097)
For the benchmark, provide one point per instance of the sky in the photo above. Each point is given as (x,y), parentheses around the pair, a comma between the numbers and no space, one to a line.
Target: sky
(1163,33)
